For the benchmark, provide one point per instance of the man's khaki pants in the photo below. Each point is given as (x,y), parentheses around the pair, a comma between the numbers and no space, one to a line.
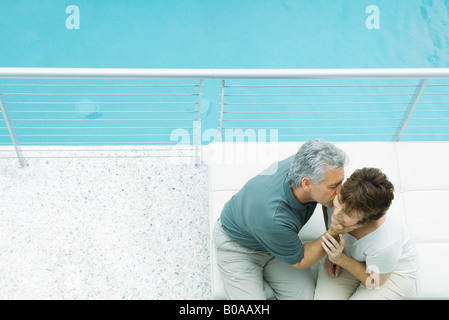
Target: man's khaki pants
(244,271)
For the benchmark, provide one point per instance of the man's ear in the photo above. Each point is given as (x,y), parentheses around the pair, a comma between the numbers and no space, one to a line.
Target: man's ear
(305,183)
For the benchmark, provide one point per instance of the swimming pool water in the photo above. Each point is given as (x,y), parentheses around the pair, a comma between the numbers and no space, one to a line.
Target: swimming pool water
(249,34)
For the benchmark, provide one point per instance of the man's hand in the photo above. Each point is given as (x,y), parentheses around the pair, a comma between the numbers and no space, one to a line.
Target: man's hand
(333,270)
(337,229)
(333,248)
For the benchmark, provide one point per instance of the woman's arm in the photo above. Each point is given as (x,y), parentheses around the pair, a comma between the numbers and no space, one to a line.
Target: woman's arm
(359,270)
(313,251)
(334,250)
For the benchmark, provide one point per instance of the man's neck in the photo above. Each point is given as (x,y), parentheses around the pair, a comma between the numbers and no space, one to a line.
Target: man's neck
(301,196)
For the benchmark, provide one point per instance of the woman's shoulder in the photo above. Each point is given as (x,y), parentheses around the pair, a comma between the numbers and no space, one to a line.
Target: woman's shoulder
(390,233)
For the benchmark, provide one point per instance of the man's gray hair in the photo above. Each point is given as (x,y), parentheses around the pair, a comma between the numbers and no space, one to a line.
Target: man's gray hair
(312,159)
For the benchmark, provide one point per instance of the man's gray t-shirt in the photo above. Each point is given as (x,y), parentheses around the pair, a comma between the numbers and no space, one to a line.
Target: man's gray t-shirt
(265,215)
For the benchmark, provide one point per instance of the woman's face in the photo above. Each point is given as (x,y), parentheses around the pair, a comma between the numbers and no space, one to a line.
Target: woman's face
(340,216)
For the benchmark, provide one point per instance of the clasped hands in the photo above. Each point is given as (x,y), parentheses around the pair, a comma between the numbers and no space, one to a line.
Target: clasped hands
(334,247)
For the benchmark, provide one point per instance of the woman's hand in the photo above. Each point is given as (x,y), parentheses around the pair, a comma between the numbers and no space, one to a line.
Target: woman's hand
(333,248)
(332,269)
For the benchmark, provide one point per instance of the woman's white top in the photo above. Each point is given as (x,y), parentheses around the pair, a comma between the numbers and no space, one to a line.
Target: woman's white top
(387,249)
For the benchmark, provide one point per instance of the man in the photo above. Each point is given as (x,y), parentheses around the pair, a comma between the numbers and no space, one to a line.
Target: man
(257,234)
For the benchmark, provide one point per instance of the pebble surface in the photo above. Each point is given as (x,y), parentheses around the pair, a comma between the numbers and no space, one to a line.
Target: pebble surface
(104,228)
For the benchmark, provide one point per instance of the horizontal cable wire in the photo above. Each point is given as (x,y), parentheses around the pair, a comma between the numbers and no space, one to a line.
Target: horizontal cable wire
(322,95)
(332,108)
(328,119)
(102,111)
(100,128)
(94,102)
(157,108)
(87,143)
(277,112)
(96,94)
(258,104)
(316,103)
(89,150)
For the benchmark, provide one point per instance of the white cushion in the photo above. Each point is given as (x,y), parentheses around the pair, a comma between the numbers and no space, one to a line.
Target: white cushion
(397,208)
(379,155)
(231,165)
(314,227)
(427,215)
(217,201)
(432,280)
(423,165)
(418,171)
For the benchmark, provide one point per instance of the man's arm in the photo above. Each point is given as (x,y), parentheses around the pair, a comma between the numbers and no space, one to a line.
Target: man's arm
(314,251)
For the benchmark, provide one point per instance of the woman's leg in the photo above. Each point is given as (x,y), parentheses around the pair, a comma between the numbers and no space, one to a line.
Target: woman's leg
(340,288)
(395,288)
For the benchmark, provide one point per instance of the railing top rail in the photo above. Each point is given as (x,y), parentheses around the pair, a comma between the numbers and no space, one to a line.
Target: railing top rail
(223,74)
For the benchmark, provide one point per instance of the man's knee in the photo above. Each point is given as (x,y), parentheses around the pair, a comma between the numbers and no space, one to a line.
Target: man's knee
(305,289)
(301,286)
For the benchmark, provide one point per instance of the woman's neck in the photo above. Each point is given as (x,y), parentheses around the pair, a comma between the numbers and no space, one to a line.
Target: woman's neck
(367,228)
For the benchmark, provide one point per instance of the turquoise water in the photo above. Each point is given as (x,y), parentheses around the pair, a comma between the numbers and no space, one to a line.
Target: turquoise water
(217,34)
(224,34)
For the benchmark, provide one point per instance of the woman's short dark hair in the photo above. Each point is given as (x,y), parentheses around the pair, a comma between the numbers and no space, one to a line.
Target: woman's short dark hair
(368,192)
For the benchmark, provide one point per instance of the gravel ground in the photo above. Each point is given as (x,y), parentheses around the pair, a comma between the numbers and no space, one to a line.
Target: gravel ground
(104,228)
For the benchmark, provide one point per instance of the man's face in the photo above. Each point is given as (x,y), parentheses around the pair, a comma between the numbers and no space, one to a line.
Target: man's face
(325,191)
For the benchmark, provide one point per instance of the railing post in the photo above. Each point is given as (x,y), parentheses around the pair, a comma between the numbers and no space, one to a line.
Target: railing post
(22,161)
(198,124)
(411,107)
(220,123)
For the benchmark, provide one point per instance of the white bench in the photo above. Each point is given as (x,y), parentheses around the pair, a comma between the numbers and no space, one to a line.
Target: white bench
(418,170)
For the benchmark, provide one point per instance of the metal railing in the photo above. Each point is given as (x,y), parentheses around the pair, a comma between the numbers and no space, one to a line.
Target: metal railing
(356,110)
(123,110)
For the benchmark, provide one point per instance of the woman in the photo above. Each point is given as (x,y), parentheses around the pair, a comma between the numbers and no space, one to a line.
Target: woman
(376,261)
